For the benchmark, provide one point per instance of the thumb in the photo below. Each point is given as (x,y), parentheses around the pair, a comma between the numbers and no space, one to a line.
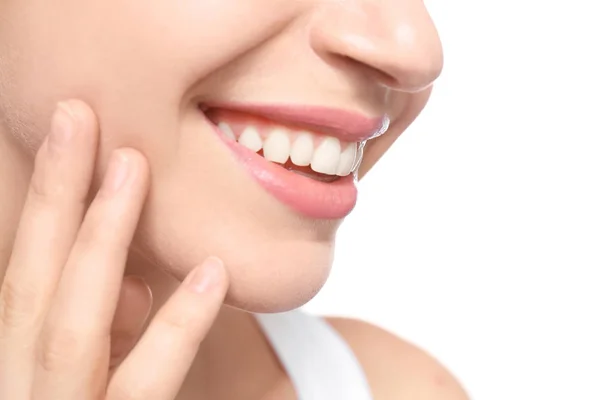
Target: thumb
(133,308)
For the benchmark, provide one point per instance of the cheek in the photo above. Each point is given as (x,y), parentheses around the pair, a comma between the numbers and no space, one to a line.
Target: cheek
(133,66)
(138,74)
(49,61)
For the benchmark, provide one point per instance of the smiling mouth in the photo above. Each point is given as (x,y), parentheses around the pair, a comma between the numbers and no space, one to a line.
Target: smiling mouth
(306,157)
(312,154)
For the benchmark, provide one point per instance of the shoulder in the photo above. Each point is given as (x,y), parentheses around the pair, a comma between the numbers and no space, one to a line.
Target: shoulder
(396,369)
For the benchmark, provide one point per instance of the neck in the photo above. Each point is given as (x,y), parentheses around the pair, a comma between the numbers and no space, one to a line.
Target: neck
(233,351)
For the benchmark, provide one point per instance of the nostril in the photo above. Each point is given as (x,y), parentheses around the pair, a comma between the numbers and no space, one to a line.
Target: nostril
(377,75)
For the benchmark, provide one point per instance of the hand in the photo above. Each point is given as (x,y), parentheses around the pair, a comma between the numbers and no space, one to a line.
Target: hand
(64,297)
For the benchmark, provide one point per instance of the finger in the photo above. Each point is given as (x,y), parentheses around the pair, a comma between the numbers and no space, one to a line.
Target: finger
(48,226)
(157,366)
(132,311)
(52,213)
(75,340)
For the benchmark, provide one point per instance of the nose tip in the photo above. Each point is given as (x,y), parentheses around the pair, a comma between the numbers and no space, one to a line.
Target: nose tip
(394,41)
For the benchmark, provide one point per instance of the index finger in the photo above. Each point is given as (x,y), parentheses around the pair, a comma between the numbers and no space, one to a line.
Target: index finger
(157,366)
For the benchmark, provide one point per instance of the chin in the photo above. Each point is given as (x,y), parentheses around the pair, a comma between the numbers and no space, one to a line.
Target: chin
(270,270)
(280,278)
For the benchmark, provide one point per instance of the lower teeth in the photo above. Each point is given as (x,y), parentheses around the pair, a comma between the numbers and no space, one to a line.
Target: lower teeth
(314,175)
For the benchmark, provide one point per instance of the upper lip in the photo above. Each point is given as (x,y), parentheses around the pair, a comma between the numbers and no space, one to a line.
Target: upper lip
(346,125)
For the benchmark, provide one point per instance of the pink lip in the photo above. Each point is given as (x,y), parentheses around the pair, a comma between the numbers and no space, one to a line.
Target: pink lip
(313,199)
(309,197)
(345,125)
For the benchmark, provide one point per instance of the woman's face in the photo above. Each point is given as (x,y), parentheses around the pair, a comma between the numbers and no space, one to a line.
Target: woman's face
(299,80)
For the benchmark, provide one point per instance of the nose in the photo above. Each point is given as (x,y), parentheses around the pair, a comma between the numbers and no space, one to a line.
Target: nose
(393,41)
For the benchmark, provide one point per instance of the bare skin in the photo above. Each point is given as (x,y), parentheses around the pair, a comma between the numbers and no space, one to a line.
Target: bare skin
(54,345)
(142,69)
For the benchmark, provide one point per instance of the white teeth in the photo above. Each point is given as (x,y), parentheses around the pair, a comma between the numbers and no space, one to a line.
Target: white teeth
(347,160)
(277,146)
(327,156)
(302,150)
(226,129)
(251,139)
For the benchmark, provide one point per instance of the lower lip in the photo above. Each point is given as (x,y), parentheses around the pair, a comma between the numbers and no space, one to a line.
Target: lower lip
(312,198)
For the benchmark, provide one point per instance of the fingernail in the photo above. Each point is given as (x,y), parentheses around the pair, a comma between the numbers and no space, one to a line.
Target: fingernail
(62,127)
(206,276)
(118,170)
(119,345)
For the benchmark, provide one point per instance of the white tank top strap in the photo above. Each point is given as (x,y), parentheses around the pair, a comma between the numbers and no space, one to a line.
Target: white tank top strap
(318,360)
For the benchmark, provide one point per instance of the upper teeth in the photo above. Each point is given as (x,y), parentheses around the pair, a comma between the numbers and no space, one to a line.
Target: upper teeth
(303,149)
(329,157)
(277,146)
(251,139)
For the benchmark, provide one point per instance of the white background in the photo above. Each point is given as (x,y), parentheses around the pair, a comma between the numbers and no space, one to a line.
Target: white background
(477,237)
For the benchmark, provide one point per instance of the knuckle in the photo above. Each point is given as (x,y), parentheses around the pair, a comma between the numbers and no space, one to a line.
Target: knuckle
(177,321)
(18,305)
(51,184)
(43,192)
(59,349)
(50,197)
